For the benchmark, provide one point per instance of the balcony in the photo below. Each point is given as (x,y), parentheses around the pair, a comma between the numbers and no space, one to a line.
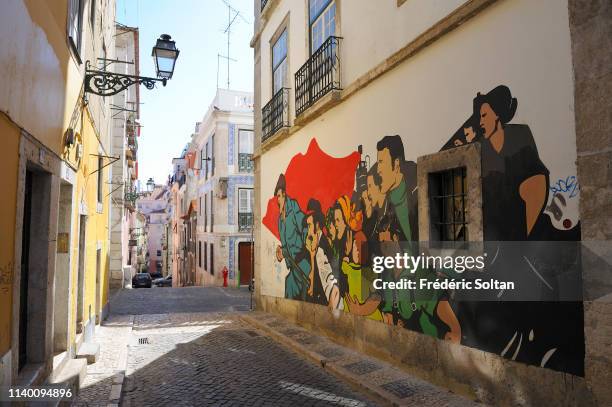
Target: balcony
(275,114)
(245,221)
(318,76)
(245,162)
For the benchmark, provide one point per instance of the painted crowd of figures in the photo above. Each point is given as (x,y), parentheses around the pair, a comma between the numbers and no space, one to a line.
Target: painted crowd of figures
(329,235)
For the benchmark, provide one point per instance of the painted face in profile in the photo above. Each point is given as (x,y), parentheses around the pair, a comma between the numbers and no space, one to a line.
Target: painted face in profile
(488,120)
(385,169)
(311,234)
(280,199)
(339,223)
(374,192)
(356,254)
(367,203)
(469,134)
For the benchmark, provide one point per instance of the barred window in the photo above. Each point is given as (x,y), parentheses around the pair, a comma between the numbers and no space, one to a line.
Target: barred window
(447,190)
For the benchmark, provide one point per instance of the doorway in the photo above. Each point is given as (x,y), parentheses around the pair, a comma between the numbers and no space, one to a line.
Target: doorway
(61,293)
(98,284)
(35,268)
(245,262)
(81,273)
(25,271)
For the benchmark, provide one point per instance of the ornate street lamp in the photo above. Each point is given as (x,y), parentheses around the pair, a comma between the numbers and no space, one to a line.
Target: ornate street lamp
(103,83)
(164,54)
(150,185)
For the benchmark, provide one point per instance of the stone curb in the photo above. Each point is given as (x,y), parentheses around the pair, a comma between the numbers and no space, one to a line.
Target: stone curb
(119,378)
(373,391)
(334,366)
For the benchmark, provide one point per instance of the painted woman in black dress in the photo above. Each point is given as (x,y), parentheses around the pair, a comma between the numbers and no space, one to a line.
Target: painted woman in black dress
(515,184)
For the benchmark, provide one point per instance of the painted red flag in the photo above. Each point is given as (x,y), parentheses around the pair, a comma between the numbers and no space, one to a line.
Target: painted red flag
(315,175)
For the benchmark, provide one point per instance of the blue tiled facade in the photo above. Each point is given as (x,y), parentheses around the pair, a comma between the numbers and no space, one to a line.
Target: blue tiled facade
(232,242)
(230,143)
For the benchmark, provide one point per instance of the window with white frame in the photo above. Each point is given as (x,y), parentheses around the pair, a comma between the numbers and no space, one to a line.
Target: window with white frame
(245,208)
(212,155)
(245,150)
(322,22)
(279,63)
(75,24)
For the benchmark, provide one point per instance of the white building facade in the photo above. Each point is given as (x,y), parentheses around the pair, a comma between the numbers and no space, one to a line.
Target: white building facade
(125,113)
(154,206)
(223,147)
(367,107)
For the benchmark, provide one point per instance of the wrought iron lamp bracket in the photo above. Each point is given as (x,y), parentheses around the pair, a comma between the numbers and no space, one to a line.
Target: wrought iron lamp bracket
(105,83)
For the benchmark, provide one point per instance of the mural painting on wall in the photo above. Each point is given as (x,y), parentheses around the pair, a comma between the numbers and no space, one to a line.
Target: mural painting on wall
(333,215)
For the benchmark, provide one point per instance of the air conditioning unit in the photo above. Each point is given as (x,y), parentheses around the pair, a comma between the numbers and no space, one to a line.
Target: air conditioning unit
(222,188)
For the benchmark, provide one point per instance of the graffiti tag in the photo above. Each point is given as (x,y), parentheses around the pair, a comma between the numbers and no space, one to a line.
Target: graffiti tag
(569,185)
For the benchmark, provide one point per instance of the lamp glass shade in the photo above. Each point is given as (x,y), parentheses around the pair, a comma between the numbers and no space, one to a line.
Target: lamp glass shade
(164,54)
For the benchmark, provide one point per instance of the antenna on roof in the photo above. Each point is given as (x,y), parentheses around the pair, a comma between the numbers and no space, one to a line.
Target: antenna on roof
(232,14)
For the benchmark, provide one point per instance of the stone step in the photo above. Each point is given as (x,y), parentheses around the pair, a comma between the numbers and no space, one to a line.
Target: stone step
(89,351)
(59,361)
(71,376)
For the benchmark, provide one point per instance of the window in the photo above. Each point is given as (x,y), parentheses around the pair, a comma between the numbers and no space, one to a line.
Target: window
(100,178)
(322,22)
(212,259)
(207,161)
(200,254)
(212,156)
(158,253)
(205,258)
(203,161)
(92,15)
(212,213)
(245,150)
(205,212)
(75,24)
(245,209)
(448,211)
(279,63)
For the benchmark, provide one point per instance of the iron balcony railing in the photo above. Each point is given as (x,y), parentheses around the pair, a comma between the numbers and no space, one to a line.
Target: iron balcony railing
(275,114)
(318,76)
(245,221)
(245,162)
(263,4)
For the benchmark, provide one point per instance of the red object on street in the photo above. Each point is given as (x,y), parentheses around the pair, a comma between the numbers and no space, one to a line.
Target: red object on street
(225,273)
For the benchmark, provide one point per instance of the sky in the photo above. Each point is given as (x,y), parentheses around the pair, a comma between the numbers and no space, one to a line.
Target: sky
(168,114)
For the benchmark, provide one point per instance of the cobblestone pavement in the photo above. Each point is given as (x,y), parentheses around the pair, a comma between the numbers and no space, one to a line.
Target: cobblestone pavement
(172,355)
(216,359)
(185,299)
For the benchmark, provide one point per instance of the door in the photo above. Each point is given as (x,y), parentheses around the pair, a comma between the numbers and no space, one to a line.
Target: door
(25,269)
(245,262)
(98,285)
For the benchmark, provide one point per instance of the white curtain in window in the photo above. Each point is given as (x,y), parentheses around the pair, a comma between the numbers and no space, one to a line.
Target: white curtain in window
(245,200)
(245,141)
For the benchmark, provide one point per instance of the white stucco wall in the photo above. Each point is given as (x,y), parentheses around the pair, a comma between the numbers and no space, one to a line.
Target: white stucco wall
(522,44)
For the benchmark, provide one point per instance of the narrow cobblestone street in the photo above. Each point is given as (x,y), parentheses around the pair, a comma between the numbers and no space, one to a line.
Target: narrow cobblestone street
(164,353)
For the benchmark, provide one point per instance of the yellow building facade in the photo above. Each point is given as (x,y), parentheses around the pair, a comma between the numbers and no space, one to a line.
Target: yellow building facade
(54,222)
